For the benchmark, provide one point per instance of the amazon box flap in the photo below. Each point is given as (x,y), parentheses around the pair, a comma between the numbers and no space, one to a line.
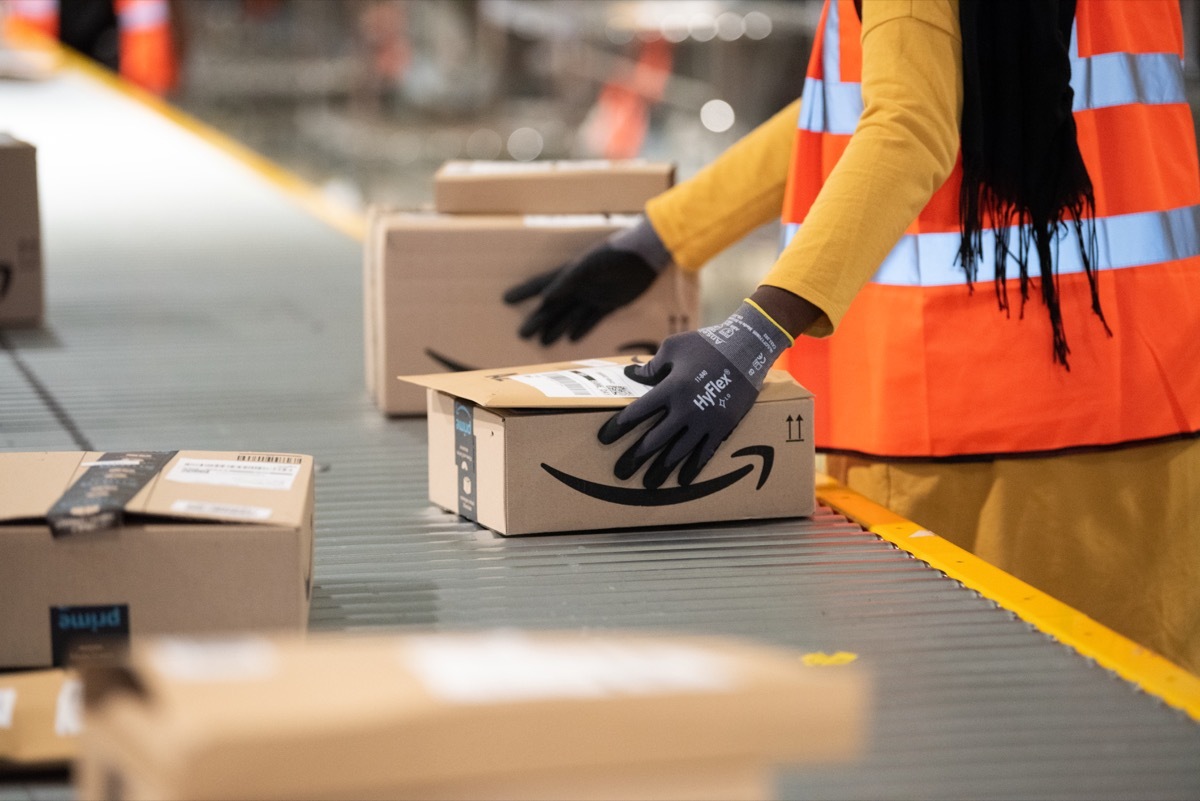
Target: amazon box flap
(41,716)
(516,451)
(549,187)
(490,714)
(96,548)
(433,285)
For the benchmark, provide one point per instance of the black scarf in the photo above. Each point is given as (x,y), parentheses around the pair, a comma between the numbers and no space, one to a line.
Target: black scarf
(1021,163)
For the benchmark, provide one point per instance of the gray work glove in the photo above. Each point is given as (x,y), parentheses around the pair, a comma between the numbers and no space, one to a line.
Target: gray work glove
(578,295)
(704,383)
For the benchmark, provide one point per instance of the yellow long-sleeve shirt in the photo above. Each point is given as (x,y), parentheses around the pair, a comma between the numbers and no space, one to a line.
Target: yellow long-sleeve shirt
(903,149)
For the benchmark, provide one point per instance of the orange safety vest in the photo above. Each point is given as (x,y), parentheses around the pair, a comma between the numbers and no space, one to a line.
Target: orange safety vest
(921,367)
(145,45)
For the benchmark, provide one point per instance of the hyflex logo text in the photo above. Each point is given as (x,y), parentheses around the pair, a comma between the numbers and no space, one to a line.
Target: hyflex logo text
(710,394)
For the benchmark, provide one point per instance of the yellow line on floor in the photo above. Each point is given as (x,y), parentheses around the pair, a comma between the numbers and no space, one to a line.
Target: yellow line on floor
(1144,668)
(297,189)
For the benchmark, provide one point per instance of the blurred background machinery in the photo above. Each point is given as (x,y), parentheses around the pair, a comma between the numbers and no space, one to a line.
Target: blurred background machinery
(367,97)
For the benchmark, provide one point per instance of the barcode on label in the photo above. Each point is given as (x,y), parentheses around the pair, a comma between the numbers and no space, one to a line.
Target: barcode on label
(571,384)
(261,457)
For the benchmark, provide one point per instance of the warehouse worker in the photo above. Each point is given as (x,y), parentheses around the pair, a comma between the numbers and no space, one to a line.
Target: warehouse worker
(1054,437)
(132,37)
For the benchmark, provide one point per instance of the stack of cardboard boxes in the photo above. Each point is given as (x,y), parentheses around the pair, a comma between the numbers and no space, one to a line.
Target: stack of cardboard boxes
(433,281)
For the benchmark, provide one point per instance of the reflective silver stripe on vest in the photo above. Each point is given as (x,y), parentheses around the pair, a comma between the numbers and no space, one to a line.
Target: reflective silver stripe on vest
(831,60)
(1117,79)
(1100,81)
(832,108)
(1122,240)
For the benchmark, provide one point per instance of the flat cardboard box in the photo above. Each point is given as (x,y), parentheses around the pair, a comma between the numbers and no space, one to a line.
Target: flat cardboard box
(433,286)
(41,717)
(492,714)
(516,451)
(21,291)
(211,542)
(549,187)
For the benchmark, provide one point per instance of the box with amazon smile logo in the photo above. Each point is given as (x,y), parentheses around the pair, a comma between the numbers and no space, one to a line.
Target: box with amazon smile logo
(516,451)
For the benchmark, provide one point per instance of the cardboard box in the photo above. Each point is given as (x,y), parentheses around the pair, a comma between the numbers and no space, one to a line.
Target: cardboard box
(549,187)
(41,717)
(494,714)
(21,293)
(98,547)
(433,286)
(516,451)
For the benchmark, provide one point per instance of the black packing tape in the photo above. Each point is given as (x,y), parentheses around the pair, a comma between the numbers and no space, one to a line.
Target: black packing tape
(97,500)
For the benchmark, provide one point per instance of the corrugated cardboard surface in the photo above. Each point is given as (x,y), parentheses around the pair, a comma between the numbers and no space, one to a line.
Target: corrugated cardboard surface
(433,286)
(198,551)
(549,187)
(41,716)
(409,717)
(21,282)
(537,466)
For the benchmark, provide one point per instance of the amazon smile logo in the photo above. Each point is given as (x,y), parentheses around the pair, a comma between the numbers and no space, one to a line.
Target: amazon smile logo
(669,496)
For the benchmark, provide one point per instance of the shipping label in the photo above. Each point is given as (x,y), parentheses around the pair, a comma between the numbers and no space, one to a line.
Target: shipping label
(502,667)
(8,705)
(235,473)
(586,382)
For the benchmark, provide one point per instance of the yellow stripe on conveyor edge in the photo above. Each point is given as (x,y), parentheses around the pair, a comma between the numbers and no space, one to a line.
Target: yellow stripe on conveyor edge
(300,191)
(1149,671)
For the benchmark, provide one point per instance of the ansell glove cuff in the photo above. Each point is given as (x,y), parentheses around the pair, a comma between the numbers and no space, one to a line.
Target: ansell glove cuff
(642,240)
(750,340)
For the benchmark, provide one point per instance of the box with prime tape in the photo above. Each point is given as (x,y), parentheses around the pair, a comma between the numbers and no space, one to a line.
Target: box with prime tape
(549,187)
(96,548)
(516,451)
(21,280)
(471,715)
(433,287)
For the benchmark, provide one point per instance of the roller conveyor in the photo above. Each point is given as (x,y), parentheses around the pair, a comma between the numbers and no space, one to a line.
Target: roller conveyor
(195,300)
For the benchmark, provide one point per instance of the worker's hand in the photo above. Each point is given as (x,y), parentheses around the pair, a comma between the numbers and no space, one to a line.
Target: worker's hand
(577,295)
(704,383)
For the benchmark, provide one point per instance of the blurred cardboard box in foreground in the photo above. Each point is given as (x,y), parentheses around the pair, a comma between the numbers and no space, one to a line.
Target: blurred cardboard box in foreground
(96,548)
(41,717)
(549,187)
(433,285)
(515,450)
(496,715)
(21,281)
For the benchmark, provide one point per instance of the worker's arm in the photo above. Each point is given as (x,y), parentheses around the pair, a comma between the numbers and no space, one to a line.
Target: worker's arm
(739,191)
(902,151)
(686,225)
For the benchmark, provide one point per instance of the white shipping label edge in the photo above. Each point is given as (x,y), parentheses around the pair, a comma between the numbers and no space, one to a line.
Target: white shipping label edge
(222,510)
(496,167)
(8,705)
(507,667)
(239,659)
(231,473)
(590,382)
(68,711)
